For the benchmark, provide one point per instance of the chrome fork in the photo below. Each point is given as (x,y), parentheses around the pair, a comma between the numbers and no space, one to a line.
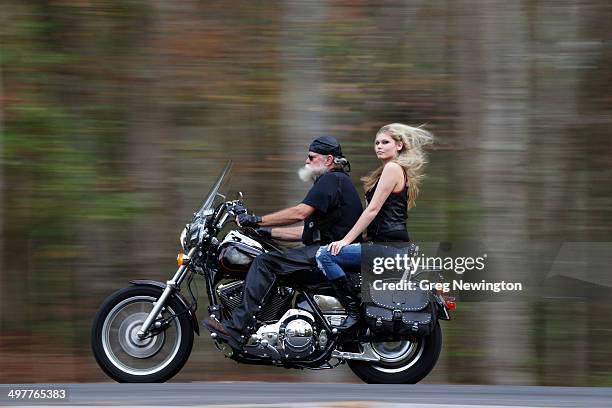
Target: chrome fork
(171,286)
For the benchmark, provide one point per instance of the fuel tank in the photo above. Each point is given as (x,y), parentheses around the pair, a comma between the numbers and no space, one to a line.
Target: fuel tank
(236,254)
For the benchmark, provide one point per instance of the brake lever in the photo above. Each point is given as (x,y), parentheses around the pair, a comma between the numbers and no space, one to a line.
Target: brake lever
(237,207)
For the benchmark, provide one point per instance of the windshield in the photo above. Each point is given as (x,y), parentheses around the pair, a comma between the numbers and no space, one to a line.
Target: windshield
(210,198)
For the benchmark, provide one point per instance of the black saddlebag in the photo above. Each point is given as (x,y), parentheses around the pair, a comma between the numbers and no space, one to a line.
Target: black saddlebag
(399,313)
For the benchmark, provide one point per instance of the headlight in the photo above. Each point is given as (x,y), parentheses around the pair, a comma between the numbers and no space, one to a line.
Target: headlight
(183,238)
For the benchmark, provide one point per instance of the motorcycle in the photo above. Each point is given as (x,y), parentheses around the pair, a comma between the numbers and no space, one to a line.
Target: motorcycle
(145,332)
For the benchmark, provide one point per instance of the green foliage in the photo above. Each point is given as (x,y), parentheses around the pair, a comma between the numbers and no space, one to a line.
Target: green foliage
(51,156)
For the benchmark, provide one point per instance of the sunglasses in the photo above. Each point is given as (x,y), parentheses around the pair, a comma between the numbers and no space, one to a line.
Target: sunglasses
(311,157)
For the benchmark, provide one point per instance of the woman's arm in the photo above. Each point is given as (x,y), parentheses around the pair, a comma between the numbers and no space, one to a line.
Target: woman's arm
(392,174)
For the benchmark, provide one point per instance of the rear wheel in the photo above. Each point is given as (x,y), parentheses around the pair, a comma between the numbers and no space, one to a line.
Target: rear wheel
(401,362)
(125,357)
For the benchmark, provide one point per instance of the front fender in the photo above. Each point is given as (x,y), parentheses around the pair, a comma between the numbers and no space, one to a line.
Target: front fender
(179,296)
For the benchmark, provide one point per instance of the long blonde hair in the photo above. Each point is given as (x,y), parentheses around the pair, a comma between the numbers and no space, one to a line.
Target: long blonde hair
(411,157)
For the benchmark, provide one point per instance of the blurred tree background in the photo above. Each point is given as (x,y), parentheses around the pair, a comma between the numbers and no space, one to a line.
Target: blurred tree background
(116,115)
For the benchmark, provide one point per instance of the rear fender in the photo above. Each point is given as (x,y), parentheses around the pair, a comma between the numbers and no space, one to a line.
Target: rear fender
(441,309)
(178,295)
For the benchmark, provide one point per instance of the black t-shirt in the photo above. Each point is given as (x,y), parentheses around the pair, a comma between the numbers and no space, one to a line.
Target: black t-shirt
(337,208)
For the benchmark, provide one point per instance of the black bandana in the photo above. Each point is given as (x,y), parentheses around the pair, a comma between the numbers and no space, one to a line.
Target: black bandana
(326,145)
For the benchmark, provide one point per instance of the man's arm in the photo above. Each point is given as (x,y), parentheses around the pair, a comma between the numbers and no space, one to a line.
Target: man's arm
(288,233)
(288,216)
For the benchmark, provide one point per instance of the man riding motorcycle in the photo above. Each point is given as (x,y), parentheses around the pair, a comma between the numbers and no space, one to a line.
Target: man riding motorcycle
(329,210)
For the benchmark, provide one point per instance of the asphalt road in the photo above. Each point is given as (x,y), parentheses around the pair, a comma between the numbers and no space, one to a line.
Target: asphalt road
(248,394)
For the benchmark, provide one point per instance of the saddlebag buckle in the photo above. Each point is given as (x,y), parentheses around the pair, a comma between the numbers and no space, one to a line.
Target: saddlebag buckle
(397,314)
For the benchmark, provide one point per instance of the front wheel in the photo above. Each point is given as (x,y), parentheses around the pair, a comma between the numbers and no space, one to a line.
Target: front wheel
(401,362)
(125,357)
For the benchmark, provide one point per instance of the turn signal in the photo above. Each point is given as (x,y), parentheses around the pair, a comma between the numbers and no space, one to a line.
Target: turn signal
(450,302)
(181,259)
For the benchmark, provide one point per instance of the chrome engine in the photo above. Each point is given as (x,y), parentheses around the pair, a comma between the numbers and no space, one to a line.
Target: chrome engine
(292,337)
(230,295)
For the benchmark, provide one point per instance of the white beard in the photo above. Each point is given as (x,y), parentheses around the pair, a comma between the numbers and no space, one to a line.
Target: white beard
(309,173)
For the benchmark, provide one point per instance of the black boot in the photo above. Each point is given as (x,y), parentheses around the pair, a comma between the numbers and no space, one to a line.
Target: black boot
(258,287)
(349,300)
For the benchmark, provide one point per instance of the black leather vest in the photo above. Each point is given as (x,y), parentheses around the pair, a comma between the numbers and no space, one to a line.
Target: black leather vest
(392,215)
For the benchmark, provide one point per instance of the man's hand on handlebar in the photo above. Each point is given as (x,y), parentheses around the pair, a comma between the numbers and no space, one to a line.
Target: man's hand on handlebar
(248,220)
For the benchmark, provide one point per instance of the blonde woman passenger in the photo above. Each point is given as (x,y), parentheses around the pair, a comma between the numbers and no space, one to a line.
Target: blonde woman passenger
(391,189)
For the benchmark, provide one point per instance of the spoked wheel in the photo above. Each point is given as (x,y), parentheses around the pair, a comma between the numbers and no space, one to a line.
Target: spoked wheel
(401,362)
(127,358)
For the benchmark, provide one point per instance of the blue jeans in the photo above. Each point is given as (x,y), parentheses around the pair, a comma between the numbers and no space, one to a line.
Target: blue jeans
(348,257)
